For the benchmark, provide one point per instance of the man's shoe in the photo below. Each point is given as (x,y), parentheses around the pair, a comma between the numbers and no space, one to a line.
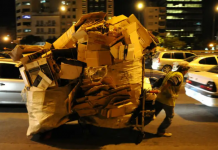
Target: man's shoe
(164,134)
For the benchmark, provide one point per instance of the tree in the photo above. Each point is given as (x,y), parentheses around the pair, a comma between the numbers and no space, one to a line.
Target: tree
(174,43)
(30,40)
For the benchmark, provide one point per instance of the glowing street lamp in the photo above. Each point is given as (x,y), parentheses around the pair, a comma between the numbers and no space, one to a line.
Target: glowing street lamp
(140,5)
(211,44)
(6,38)
(63,8)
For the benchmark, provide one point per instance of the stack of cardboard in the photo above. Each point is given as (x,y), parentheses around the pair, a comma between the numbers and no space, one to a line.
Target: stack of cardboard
(102,58)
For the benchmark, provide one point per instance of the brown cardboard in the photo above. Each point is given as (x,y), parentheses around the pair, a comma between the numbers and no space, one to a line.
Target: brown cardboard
(116,19)
(130,53)
(115,50)
(42,81)
(31,57)
(70,72)
(80,36)
(116,112)
(145,39)
(81,53)
(91,17)
(97,41)
(25,77)
(98,58)
(131,27)
(42,64)
(65,41)
(138,48)
(16,53)
(47,45)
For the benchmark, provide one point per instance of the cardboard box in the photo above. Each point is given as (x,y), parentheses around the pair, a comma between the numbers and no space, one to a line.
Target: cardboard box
(97,41)
(42,64)
(16,53)
(115,50)
(65,41)
(132,27)
(47,45)
(70,72)
(98,58)
(130,53)
(138,48)
(25,77)
(116,19)
(81,52)
(80,36)
(42,81)
(31,57)
(145,39)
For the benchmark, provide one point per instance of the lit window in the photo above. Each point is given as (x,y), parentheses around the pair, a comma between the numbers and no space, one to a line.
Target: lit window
(185,5)
(26,16)
(184,0)
(96,0)
(26,30)
(25,3)
(84,6)
(43,1)
(174,17)
(63,2)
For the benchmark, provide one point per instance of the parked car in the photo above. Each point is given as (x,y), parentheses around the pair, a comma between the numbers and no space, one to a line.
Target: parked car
(203,86)
(200,63)
(164,60)
(11,83)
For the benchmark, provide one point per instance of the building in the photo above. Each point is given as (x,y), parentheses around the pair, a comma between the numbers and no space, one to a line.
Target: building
(184,18)
(155,20)
(29,12)
(46,25)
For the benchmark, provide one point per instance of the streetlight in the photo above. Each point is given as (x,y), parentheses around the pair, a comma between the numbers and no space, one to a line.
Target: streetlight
(211,44)
(6,38)
(214,21)
(140,5)
(63,8)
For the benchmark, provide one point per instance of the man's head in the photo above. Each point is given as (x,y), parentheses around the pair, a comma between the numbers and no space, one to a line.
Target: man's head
(183,67)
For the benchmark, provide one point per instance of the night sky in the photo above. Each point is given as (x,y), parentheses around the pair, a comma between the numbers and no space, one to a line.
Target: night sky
(126,7)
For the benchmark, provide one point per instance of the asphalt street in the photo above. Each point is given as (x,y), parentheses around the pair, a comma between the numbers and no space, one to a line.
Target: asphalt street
(194,127)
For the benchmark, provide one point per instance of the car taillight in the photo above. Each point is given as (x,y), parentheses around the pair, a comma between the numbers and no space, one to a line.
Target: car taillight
(209,87)
(189,81)
(158,60)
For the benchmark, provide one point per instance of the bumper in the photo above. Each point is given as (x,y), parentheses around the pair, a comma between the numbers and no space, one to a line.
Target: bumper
(206,98)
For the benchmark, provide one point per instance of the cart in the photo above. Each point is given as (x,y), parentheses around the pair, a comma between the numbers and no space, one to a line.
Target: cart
(143,114)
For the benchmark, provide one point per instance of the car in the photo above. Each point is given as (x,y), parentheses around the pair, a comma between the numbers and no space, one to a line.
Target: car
(200,63)
(153,75)
(203,86)
(164,60)
(11,83)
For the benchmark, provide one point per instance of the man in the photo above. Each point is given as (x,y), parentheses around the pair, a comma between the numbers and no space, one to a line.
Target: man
(169,91)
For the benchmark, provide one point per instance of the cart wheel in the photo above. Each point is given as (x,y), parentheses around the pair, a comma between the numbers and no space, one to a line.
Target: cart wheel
(139,138)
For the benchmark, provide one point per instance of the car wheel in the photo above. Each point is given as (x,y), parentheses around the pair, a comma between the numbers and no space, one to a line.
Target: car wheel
(167,69)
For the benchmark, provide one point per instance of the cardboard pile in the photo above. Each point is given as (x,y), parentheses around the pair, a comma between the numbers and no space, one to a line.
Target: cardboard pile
(97,62)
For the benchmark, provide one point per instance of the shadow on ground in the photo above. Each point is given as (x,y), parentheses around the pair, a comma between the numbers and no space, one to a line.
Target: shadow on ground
(73,137)
(13,109)
(197,113)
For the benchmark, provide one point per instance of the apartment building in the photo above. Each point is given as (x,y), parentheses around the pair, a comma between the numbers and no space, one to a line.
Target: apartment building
(155,19)
(64,13)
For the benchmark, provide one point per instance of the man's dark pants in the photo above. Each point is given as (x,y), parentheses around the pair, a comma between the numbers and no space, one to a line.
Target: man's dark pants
(169,110)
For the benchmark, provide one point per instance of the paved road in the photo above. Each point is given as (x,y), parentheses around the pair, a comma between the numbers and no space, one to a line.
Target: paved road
(194,127)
